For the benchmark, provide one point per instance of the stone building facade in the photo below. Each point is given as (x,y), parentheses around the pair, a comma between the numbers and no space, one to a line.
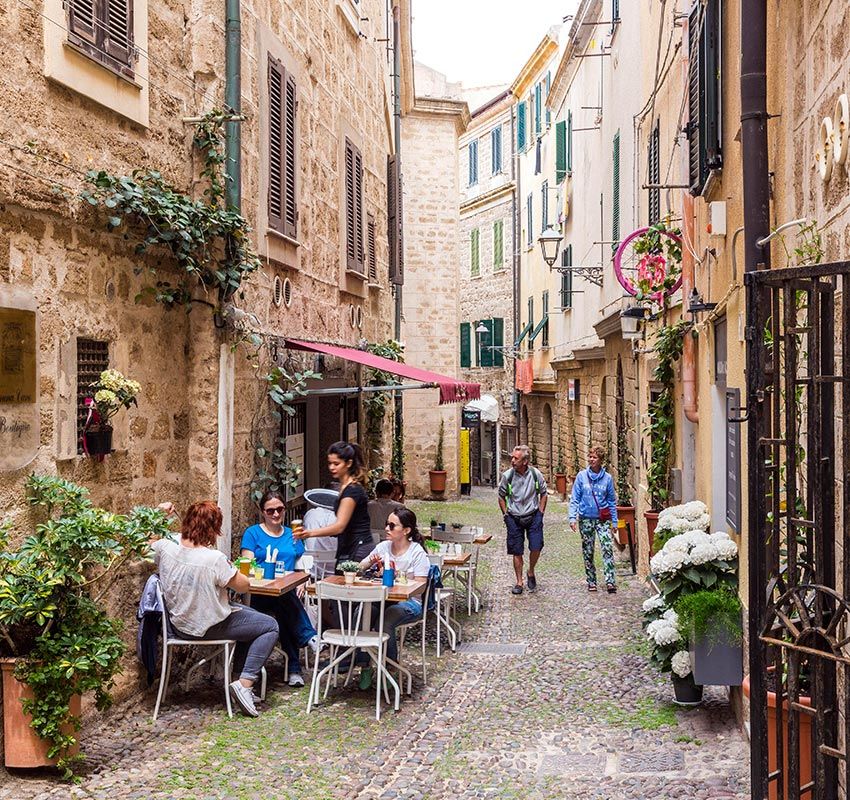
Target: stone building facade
(196,428)
(486,255)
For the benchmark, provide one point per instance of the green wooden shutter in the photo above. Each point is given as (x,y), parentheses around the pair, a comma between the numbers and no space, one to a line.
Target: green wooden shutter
(473,162)
(474,253)
(548,86)
(545,318)
(496,150)
(529,209)
(654,174)
(498,244)
(531,321)
(486,341)
(570,142)
(521,131)
(465,356)
(567,277)
(560,151)
(544,199)
(538,108)
(498,341)
(477,339)
(615,195)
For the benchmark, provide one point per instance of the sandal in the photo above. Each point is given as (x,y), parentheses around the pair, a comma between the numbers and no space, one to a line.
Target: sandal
(591,587)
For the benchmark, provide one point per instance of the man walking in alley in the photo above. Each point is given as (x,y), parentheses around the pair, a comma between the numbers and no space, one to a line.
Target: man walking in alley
(522,498)
(594,504)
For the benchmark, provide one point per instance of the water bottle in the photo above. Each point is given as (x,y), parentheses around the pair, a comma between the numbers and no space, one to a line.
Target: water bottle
(389,573)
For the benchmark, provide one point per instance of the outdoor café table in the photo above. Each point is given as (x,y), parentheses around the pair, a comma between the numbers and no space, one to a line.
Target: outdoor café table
(457,559)
(482,538)
(398,591)
(276,587)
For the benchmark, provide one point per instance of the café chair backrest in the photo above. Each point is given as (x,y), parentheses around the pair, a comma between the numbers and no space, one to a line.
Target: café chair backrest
(454,536)
(350,603)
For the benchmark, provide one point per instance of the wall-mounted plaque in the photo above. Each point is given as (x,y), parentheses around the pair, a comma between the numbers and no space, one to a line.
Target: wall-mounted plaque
(19,412)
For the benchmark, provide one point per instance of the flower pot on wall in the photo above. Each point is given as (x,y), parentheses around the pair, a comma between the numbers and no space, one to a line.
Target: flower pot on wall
(718,655)
(626,514)
(21,744)
(97,440)
(805,753)
(438,480)
(561,483)
(651,518)
(686,692)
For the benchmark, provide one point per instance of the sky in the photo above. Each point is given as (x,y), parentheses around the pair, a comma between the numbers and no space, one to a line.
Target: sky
(482,42)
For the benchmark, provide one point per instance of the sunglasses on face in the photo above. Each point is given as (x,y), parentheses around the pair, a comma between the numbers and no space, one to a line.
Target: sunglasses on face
(273,511)
(393,525)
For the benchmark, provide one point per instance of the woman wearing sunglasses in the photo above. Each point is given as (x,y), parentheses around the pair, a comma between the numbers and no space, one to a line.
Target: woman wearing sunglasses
(271,536)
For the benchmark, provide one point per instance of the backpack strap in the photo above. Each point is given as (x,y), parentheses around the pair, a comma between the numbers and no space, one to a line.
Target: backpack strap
(510,491)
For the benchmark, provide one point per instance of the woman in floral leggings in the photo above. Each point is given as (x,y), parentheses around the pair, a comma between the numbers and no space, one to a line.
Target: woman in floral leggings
(593,509)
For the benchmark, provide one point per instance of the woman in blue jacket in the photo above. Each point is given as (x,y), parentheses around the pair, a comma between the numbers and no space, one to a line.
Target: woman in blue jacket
(593,504)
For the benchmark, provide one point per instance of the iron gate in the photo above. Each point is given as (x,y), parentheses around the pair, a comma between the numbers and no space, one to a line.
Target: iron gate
(798,394)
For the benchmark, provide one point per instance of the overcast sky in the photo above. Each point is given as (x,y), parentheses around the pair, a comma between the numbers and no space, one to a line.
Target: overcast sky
(482,42)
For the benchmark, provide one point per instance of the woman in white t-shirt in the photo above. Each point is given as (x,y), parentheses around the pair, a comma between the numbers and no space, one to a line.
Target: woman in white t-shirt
(404,547)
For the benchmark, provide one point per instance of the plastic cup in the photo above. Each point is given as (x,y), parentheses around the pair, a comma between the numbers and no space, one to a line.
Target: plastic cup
(258,573)
(244,565)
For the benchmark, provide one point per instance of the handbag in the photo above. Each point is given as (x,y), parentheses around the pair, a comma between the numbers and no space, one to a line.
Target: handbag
(604,513)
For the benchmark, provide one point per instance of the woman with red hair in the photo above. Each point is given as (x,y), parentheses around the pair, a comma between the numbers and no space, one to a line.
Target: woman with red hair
(195,578)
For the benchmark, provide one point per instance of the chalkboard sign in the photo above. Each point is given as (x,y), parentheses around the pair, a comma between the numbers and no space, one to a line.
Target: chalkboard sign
(733,459)
(470,418)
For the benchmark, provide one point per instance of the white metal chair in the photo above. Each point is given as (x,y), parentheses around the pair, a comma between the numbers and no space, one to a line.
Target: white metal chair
(443,604)
(422,622)
(323,563)
(352,607)
(465,575)
(225,647)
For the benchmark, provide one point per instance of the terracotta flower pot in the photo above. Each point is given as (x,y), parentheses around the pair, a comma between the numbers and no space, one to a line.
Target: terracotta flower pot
(626,514)
(561,483)
(438,480)
(805,754)
(22,745)
(651,518)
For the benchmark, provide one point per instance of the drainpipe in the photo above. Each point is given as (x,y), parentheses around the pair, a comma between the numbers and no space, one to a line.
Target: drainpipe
(756,225)
(233,102)
(398,402)
(689,345)
(515,228)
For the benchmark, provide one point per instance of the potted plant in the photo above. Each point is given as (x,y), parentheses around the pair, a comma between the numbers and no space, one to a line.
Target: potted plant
(670,654)
(56,640)
(107,396)
(625,508)
(349,570)
(561,472)
(437,475)
(712,618)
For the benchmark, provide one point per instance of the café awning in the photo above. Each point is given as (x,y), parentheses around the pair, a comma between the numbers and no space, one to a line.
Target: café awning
(452,390)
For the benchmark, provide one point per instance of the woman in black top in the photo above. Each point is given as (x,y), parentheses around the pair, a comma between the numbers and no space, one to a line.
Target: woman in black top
(354,542)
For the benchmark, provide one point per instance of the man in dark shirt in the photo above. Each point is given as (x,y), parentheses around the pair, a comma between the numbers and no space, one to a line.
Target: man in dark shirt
(380,508)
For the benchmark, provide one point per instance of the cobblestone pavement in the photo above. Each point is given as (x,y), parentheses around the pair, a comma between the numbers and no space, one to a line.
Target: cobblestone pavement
(581,714)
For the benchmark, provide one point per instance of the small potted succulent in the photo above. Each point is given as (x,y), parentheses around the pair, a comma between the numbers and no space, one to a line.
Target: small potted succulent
(349,570)
(106,397)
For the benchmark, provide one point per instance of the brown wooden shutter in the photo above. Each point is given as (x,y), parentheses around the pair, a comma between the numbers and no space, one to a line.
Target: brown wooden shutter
(290,162)
(118,30)
(358,207)
(400,228)
(353,207)
(392,217)
(371,245)
(275,166)
(82,20)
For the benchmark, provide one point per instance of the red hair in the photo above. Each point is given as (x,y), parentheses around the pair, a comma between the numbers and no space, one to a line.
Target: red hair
(202,523)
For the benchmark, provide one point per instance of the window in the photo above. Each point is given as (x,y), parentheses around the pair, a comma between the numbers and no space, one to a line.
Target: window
(474,253)
(353,208)
(508,440)
(92,359)
(567,278)
(465,355)
(521,127)
(704,103)
(569,143)
(483,342)
(529,221)
(395,238)
(548,86)
(615,195)
(103,30)
(560,151)
(544,199)
(545,318)
(498,244)
(283,148)
(615,11)
(496,150)
(653,173)
(538,109)
(371,248)
(473,162)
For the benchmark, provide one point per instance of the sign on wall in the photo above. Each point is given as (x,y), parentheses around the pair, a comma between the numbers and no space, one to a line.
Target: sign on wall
(465,476)
(572,389)
(19,402)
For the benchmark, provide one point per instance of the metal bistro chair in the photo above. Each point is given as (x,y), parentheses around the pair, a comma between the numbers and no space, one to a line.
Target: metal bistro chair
(225,647)
(422,622)
(464,576)
(443,604)
(352,607)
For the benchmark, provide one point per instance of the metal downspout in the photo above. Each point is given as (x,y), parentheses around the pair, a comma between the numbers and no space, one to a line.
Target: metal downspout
(689,345)
(754,157)
(398,402)
(517,282)
(233,102)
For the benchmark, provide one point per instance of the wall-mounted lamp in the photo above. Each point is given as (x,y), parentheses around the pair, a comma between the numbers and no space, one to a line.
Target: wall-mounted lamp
(630,319)
(550,243)
(696,305)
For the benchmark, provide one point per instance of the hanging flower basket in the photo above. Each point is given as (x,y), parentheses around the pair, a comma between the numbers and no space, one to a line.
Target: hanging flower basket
(648,262)
(97,440)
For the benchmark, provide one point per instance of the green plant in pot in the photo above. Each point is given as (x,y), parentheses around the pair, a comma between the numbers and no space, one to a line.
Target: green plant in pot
(437,476)
(56,638)
(625,506)
(349,570)
(106,397)
(561,471)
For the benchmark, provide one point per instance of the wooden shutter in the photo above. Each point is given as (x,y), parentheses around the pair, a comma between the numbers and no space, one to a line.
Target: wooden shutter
(695,151)
(615,195)
(498,243)
(477,343)
(394,222)
(353,207)
(486,342)
(465,355)
(560,151)
(473,162)
(474,252)
(82,20)
(711,128)
(569,142)
(544,198)
(496,150)
(498,341)
(615,10)
(521,131)
(290,158)
(118,30)
(654,174)
(276,155)
(567,277)
(548,86)
(545,319)
(371,248)
(529,203)
(538,108)
(538,156)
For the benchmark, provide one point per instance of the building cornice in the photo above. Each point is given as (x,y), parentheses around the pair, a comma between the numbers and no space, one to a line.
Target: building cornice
(442,107)
(543,52)
(505,190)
(609,326)
(575,44)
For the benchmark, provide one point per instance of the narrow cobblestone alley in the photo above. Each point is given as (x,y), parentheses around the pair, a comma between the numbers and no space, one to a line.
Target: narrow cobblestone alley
(581,714)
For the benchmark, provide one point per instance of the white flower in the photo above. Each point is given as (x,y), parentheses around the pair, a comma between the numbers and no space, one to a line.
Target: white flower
(703,553)
(671,616)
(726,551)
(681,663)
(664,633)
(654,603)
(667,561)
(693,509)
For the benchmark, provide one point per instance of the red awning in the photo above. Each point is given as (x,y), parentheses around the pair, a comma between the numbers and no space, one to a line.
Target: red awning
(451,389)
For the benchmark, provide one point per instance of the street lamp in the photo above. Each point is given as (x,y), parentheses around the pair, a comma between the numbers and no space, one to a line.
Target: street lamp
(550,242)
(630,319)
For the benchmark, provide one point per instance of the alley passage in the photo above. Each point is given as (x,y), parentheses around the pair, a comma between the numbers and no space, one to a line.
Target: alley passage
(580,715)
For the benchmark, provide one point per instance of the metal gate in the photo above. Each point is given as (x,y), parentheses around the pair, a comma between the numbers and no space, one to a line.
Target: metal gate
(798,409)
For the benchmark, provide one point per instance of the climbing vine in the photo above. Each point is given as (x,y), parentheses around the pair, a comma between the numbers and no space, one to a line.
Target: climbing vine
(376,403)
(209,241)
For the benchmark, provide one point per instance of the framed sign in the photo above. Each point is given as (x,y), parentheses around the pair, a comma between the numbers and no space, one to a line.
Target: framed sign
(572,389)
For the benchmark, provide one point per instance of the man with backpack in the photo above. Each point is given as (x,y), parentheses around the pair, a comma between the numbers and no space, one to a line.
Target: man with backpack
(522,498)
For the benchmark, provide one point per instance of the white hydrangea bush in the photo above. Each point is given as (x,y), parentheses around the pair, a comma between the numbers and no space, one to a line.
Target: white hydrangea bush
(681,663)
(697,556)
(686,517)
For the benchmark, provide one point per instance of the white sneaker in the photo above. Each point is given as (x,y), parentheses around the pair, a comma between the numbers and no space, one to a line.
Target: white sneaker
(315,645)
(295,679)
(244,697)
